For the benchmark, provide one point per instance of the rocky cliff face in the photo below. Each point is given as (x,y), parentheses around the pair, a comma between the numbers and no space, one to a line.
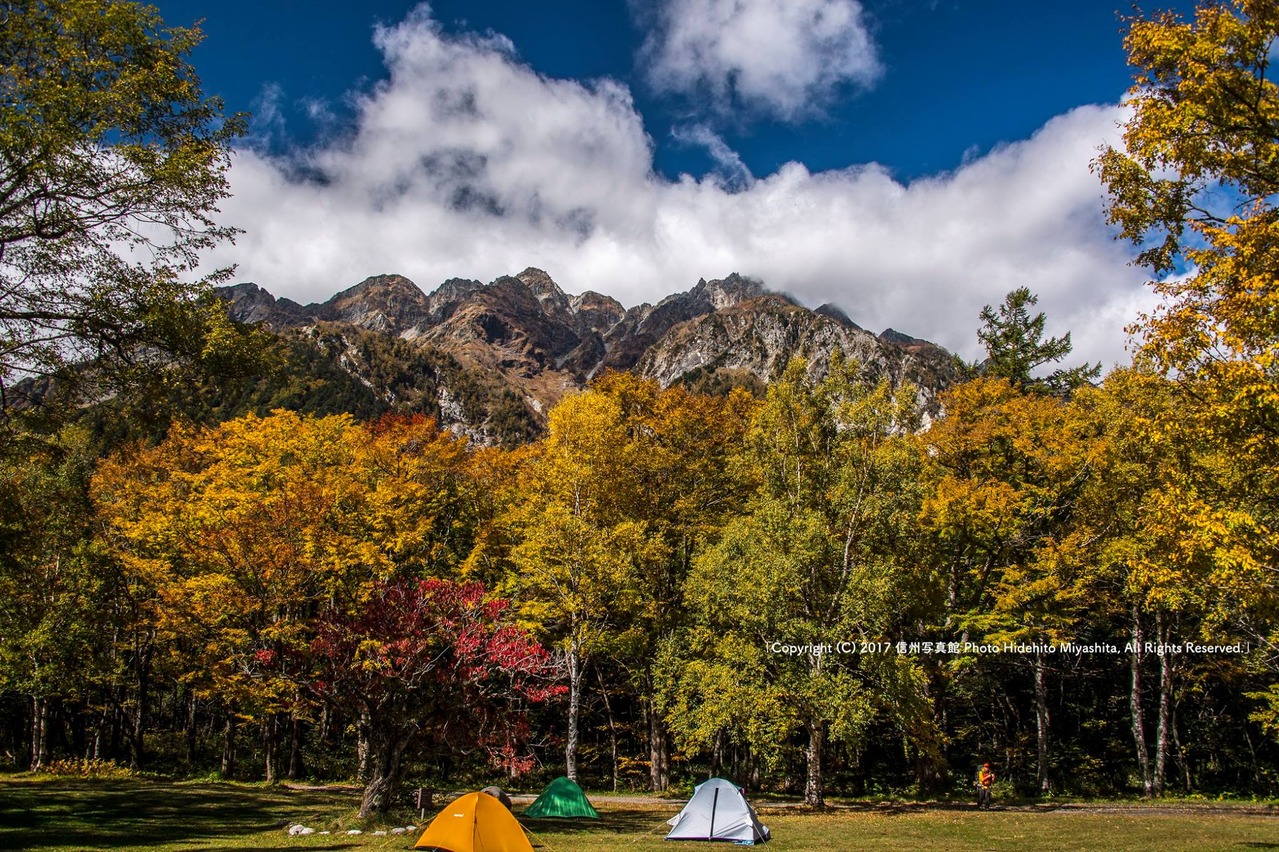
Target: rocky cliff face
(758,336)
(519,343)
(249,303)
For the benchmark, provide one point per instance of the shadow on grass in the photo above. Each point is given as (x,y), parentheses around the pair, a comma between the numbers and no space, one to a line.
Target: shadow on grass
(243,849)
(105,814)
(620,821)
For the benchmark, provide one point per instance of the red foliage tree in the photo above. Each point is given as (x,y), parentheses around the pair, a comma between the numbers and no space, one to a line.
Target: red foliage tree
(427,660)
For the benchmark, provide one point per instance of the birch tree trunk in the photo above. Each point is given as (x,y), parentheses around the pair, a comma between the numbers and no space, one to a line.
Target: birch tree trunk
(1166,663)
(295,748)
(1138,712)
(39,732)
(813,796)
(271,747)
(659,752)
(1042,721)
(191,731)
(574,708)
(228,744)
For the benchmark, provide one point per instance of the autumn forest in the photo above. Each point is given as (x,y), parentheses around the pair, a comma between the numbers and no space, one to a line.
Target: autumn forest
(813,588)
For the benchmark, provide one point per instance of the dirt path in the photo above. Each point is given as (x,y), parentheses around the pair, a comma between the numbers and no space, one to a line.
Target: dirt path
(1181,809)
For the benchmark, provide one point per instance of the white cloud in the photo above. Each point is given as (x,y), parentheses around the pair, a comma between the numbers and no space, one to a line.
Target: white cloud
(320,112)
(468,163)
(267,123)
(732,171)
(785,60)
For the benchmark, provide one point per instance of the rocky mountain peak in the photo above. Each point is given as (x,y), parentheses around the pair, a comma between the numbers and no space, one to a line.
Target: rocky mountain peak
(539,282)
(837,314)
(595,311)
(381,302)
(726,292)
(391,288)
(892,335)
(446,298)
(248,302)
(548,293)
(455,289)
(506,351)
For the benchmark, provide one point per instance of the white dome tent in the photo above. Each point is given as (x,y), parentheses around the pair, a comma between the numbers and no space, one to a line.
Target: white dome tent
(718,811)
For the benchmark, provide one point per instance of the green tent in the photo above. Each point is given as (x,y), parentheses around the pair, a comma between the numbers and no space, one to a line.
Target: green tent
(561,799)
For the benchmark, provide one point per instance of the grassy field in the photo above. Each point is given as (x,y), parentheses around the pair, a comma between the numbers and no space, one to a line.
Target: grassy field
(54,814)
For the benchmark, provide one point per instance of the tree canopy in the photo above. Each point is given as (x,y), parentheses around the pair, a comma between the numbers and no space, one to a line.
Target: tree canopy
(1194,186)
(112,163)
(812,592)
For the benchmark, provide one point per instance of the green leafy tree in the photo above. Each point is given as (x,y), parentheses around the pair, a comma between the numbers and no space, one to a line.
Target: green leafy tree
(821,556)
(1015,347)
(112,164)
(51,583)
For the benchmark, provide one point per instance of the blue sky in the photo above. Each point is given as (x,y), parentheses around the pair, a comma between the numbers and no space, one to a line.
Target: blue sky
(908,160)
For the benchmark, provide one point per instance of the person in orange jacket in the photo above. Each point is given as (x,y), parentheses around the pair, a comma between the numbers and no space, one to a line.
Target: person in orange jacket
(985,780)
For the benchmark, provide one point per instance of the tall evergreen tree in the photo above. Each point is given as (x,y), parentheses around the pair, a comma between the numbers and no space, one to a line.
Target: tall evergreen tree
(1015,347)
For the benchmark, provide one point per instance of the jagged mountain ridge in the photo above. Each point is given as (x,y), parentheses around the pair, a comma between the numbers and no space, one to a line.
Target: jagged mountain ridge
(524,340)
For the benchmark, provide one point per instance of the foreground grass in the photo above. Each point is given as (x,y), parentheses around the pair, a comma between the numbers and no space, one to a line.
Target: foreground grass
(54,814)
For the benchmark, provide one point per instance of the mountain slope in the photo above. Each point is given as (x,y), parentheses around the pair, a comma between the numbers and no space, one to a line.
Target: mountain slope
(491,359)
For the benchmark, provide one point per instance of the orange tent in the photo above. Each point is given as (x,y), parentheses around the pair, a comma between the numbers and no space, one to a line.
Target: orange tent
(474,823)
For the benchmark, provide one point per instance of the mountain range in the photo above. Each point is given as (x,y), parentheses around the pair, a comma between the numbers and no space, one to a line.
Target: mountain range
(489,360)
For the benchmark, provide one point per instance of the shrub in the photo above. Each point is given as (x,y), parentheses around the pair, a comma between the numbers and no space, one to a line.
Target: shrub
(83,767)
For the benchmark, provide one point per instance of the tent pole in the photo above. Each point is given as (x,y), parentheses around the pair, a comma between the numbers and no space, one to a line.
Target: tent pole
(714,804)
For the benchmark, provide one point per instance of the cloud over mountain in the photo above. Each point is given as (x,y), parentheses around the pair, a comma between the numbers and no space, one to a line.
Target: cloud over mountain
(466,162)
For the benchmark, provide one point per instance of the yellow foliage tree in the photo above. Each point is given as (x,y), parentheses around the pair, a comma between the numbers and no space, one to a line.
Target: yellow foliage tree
(1007,470)
(1154,548)
(574,557)
(1194,186)
(680,446)
(605,517)
(239,536)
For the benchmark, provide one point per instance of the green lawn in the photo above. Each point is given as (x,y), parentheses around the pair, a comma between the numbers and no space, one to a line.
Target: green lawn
(52,814)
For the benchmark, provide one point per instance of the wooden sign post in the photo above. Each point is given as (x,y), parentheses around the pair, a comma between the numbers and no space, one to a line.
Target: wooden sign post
(423,800)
